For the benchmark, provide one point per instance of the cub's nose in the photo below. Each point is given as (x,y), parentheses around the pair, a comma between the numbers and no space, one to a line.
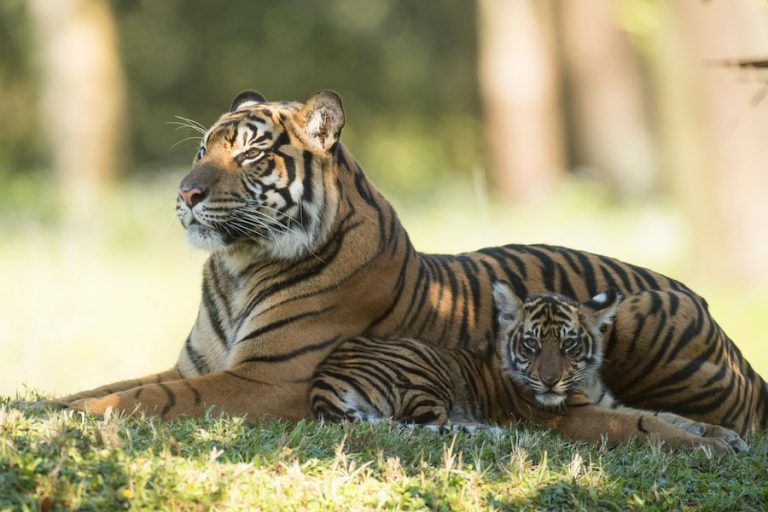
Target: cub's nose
(549,380)
(192,194)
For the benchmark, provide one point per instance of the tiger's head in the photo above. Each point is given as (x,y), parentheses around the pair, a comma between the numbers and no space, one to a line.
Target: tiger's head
(261,178)
(550,344)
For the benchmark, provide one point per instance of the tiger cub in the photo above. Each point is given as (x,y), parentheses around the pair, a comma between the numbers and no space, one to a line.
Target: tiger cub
(544,369)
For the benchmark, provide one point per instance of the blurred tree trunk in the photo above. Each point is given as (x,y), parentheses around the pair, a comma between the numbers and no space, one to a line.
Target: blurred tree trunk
(715,137)
(519,91)
(82,96)
(608,123)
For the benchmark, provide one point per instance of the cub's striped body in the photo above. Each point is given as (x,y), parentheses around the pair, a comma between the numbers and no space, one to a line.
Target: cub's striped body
(544,369)
(305,253)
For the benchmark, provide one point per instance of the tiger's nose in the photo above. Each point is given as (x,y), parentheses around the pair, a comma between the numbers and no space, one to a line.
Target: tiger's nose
(549,380)
(191,195)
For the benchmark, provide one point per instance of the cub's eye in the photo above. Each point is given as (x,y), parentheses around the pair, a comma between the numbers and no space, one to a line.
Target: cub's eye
(200,153)
(530,345)
(569,344)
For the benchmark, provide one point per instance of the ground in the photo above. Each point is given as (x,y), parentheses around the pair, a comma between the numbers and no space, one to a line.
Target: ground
(52,460)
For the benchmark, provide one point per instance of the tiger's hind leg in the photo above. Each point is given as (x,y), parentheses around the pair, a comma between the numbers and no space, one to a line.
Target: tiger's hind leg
(665,352)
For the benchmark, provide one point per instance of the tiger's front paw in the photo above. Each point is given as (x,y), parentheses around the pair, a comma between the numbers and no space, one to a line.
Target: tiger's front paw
(115,402)
(151,399)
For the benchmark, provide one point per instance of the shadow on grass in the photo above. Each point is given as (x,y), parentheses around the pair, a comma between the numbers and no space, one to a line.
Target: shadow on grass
(69,460)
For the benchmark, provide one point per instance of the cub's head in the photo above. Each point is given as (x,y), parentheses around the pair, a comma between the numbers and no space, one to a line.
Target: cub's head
(261,177)
(550,344)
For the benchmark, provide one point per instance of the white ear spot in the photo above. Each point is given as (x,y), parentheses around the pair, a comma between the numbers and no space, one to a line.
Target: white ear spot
(323,119)
(601,297)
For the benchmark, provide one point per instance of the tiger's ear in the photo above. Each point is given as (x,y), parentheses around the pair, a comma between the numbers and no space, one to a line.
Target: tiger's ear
(601,309)
(322,119)
(245,98)
(509,307)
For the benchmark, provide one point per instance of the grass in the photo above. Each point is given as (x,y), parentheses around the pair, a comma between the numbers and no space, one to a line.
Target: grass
(51,460)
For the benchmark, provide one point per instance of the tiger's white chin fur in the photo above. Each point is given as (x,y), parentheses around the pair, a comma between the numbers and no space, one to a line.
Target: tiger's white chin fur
(550,399)
(205,238)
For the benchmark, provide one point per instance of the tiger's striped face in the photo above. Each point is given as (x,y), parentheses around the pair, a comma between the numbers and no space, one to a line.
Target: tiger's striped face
(261,177)
(549,344)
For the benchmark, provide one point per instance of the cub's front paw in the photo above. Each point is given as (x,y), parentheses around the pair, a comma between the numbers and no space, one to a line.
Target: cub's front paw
(717,432)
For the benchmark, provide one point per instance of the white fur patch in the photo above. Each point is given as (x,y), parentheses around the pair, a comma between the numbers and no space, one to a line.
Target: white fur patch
(550,399)
(201,237)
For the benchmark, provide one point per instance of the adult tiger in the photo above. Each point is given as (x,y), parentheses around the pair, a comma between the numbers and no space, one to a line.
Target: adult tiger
(306,253)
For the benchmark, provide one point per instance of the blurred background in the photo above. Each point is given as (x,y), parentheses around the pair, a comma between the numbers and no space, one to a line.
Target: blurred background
(633,128)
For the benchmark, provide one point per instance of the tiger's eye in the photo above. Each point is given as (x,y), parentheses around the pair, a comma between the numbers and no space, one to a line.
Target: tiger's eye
(569,344)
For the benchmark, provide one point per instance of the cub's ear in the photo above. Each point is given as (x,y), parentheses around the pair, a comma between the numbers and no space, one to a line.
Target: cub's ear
(322,119)
(601,309)
(509,307)
(245,98)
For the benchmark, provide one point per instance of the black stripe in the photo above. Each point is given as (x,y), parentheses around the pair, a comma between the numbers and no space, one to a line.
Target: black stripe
(279,358)
(308,184)
(222,296)
(195,393)
(247,379)
(501,258)
(546,264)
(213,314)
(624,272)
(398,292)
(197,360)
(171,399)
(646,276)
(691,332)
(470,272)
(280,323)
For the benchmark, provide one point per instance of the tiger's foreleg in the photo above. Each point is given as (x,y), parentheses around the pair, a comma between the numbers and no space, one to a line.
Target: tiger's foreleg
(238,392)
(116,387)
